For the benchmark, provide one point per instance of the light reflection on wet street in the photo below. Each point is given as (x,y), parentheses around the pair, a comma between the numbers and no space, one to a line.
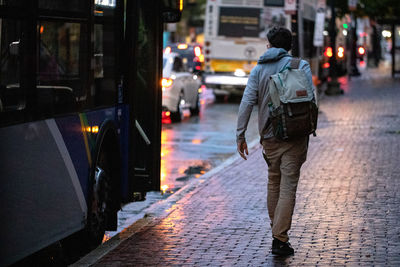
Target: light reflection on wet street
(197,144)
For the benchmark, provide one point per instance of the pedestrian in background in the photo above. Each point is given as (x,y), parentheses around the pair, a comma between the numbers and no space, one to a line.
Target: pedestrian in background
(284,158)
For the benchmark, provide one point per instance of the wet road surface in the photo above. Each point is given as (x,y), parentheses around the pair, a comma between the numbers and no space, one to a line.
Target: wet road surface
(197,144)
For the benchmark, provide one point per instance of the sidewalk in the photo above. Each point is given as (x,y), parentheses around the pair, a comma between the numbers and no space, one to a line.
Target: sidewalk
(347,211)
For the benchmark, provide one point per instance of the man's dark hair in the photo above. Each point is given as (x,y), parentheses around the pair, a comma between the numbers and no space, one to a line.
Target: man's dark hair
(280,37)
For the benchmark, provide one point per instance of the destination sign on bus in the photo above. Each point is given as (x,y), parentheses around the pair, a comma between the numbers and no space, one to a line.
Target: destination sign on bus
(239,22)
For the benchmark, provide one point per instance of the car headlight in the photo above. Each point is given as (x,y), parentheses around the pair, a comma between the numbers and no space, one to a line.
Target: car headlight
(166,83)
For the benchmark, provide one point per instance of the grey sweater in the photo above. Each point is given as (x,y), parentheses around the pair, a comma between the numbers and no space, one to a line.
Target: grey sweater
(271,62)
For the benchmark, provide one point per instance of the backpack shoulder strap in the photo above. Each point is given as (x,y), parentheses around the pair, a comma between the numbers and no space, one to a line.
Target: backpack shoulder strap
(273,93)
(295,63)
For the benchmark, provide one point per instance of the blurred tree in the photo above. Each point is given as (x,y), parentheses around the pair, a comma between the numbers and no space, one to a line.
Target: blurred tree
(380,9)
(193,12)
(371,8)
(192,18)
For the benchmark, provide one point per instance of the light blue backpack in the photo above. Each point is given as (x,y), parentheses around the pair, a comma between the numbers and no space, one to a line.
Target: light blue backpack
(293,111)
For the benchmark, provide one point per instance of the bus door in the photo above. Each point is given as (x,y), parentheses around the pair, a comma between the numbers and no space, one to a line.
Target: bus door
(143,76)
(143,50)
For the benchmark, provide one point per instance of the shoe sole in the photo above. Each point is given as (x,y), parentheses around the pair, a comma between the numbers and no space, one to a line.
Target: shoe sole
(280,253)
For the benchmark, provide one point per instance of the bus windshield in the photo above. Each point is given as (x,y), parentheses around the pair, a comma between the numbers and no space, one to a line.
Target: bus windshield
(239,22)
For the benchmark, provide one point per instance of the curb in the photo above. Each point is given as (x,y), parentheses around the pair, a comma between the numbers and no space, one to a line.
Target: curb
(156,211)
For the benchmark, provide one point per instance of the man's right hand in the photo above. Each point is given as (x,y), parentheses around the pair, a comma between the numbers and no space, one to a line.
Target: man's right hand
(242,149)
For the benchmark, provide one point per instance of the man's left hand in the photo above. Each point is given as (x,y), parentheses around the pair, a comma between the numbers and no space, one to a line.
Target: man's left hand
(242,149)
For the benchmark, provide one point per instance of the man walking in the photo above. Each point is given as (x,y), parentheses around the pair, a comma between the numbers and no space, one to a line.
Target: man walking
(284,158)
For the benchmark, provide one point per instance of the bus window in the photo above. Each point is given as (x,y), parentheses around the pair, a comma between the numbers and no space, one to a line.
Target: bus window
(278,3)
(13,3)
(12,97)
(98,52)
(62,5)
(178,65)
(58,51)
(105,46)
(239,22)
(59,79)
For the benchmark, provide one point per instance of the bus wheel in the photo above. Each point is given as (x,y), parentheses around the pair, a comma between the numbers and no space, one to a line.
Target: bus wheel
(82,242)
(100,201)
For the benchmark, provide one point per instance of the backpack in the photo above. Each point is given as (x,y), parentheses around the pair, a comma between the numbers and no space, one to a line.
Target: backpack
(292,107)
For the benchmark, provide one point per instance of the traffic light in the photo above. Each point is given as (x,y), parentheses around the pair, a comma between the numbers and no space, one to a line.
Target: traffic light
(361,52)
(340,52)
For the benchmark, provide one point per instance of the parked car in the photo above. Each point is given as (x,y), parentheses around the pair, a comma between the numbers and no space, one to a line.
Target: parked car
(192,55)
(180,88)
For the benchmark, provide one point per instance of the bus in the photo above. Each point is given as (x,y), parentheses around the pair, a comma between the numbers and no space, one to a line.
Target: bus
(80,117)
(234,39)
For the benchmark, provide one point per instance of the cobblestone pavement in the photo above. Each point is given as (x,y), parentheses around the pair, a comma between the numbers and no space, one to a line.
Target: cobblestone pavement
(348,201)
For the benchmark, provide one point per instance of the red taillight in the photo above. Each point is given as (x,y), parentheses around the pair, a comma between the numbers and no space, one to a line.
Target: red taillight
(326,65)
(167,50)
(197,67)
(361,51)
(199,59)
(166,82)
(166,117)
(328,52)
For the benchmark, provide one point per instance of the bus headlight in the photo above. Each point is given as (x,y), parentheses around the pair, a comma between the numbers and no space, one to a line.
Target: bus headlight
(240,73)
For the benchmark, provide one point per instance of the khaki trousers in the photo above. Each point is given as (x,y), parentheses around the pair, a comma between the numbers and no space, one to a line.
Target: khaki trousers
(284,160)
